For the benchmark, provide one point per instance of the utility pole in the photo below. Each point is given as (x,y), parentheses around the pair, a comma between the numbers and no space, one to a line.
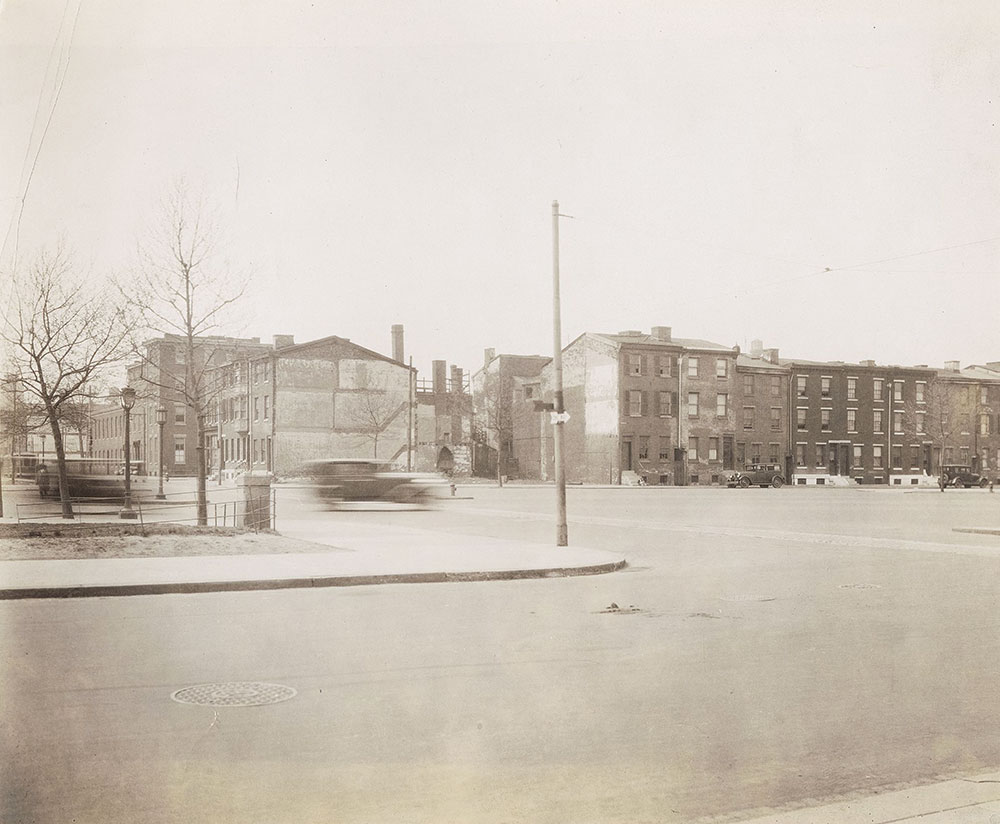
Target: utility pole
(559,414)
(409,418)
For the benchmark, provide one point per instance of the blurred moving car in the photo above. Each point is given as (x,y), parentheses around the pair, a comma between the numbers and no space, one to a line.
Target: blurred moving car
(339,481)
(757,475)
(962,476)
(87,477)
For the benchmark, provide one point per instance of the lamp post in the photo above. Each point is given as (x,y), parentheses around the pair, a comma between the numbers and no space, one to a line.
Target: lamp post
(161,418)
(128,401)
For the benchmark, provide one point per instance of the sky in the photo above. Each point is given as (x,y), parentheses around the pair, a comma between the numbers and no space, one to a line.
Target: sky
(820,176)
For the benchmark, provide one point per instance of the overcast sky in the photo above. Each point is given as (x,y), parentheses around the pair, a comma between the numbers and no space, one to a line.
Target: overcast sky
(823,176)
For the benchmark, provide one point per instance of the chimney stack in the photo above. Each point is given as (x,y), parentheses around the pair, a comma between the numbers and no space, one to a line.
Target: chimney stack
(488,355)
(456,379)
(281,341)
(438,376)
(951,365)
(397,342)
(663,333)
(757,348)
(771,356)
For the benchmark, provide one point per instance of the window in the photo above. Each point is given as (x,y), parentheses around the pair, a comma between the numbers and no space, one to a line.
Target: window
(984,424)
(529,392)
(267,370)
(897,422)
(820,454)
(666,404)
(897,390)
(180,356)
(852,420)
(775,418)
(256,450)
(664,448)
(692,367)
(644,447)
(856,459)
(756,449)
(713,449)
(748,384)
(634,403)
(921,391)
(267,401)
(748,417)
(914,457)
(877,389)
(949,455)
(800,419)
(852,389)
(800,385)
(664,365)
(256,408)
(877,456)
(692,404)
(721,368)
(692,449)
(773,450)
(180,413)
(179,441)
(800,454)
(921,425)
(982,396)
(775,385)
(635,364)
(824,420)
(877,420)
(897,457)
(721,405)
(824,387)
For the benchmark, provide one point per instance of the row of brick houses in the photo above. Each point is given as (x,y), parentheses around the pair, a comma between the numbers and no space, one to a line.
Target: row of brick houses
(272,407)
(686,411)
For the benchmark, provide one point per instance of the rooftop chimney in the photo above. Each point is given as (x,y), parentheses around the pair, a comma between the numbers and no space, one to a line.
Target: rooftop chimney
(662,333)
(438,376)
(397,342)
(488,355)
(630,333)
(281,341)
(757,348)
(868,363)
(951,365)
(456,378)
(771,355)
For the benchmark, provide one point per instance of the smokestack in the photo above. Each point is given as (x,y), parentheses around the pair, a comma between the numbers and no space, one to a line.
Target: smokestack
(397,342)
(438,376)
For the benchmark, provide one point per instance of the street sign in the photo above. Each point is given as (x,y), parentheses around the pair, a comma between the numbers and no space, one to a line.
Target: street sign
(558,417)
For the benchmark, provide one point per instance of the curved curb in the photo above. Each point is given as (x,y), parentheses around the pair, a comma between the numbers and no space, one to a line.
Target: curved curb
(977,530)
(115,590)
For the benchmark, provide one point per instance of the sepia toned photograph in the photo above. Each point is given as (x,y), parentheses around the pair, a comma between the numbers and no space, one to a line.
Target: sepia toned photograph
(522,412)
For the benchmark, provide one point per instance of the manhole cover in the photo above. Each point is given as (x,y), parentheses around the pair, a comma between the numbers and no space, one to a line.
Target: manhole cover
(860,586)
(234,694)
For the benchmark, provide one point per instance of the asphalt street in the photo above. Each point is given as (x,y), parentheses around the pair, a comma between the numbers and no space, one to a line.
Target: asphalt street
(767,650)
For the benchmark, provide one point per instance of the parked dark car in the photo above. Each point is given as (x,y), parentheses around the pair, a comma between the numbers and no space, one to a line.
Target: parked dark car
(962,476)
(340,481)
(757,475)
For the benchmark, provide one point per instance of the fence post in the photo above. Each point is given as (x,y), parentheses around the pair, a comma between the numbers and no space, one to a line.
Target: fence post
(256,499)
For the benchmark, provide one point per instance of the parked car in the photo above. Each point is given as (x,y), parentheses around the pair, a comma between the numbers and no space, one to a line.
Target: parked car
(757,475)
(339,481)
(962,476)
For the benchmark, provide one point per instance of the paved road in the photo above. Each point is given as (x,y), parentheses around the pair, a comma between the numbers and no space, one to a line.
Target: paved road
(770,649)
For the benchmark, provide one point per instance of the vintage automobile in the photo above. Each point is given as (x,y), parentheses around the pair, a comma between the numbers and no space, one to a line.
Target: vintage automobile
(87,477)
(757,475)
(961,477)
(340,482)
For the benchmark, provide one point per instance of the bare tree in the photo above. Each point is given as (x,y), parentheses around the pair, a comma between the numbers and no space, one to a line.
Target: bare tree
(493,393)
(183,289)
(63,336)
(373,409)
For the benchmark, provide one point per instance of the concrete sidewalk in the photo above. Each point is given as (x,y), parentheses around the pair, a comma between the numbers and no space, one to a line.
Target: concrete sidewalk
(354,555)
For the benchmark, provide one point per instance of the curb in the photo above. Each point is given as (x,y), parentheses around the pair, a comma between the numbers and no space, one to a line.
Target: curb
(192,587)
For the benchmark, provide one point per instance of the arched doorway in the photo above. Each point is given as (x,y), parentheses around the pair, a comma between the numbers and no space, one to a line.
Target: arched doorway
(445,461)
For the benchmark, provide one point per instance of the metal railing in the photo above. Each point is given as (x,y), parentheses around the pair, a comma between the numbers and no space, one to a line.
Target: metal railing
(230,509)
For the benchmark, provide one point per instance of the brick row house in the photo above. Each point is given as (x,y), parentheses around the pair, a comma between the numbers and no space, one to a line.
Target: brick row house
(683,411)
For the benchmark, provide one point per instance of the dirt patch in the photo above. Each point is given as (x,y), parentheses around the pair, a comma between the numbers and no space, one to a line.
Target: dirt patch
(50,542)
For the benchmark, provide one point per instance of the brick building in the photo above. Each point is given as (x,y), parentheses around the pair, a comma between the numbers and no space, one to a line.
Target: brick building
(444,422)
(762,429)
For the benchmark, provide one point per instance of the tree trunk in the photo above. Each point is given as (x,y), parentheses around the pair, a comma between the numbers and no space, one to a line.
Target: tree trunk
(202,495)
(57,440)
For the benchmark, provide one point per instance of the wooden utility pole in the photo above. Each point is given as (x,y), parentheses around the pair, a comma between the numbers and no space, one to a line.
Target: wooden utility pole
(559,414)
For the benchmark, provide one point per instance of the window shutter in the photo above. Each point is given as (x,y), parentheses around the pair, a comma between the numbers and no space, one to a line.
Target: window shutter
(673,404)
(644,405)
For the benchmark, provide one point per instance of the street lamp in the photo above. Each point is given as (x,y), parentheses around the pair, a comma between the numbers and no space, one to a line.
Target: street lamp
(128,401)
(161,418)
